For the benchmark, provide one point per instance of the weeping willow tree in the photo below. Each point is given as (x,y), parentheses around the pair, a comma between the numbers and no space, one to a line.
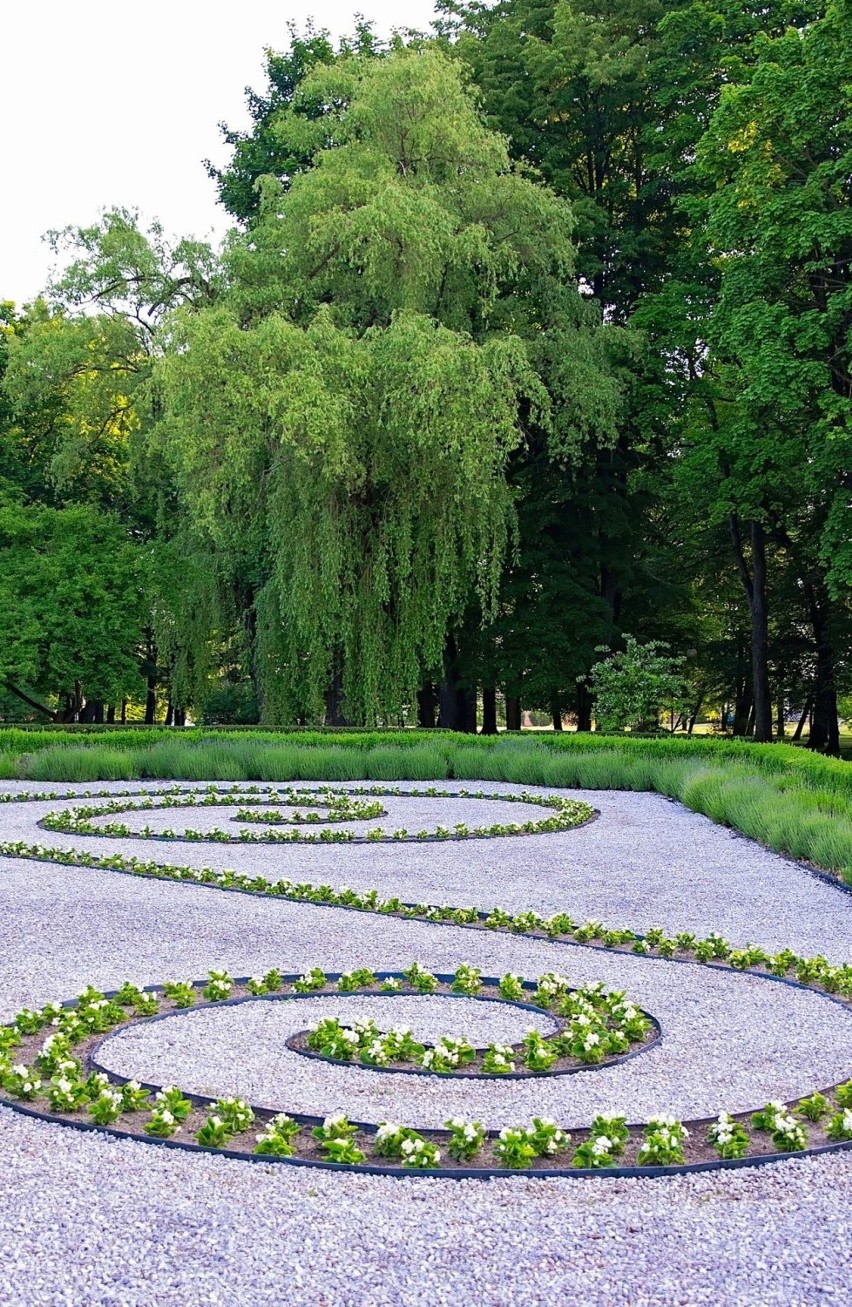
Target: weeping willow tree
(339,425)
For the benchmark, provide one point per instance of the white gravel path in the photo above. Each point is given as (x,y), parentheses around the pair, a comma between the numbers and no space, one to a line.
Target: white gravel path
(646,861)
(87,1221)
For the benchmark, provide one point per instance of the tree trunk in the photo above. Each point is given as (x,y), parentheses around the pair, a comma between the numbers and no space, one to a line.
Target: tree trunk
(556,715)
(780,712)
(742,711)
(149,668)
(489,710)
(797,734)
(825,730)
(754,584)
(584,707)
(111,715)
(93,711)
(513,712)
(73,704)
(426,705)
(693,716)
(457,704)
(124,712)
(151,702)
(334,702)
(170,714)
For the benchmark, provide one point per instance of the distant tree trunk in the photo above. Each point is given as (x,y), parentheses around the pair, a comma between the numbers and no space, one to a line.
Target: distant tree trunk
(334,714)
(780,713)
(426,705)
(556,715)
(696,709)
(124,712)
(151,702)
(742,711)
(93,711)
(750,723)
(245,601)
(754,584)
(180,717)
(513,712)
(457,704)
(73,704)
(149,668)
(170,714)
(489,710)
(797,734)
(584,707)
(111,714)
(825,729)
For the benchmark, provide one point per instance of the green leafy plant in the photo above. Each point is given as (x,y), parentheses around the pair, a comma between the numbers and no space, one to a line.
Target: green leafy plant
(276,1140)
(662,1142)
(632,687)
(839,1128)
(728,1137)
(218,987)
(181,993)
(466,1138)
(107,1107)
(214,1133)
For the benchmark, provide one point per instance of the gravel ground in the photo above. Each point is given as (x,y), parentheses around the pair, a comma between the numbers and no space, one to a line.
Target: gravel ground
(647,861)
(84,1220)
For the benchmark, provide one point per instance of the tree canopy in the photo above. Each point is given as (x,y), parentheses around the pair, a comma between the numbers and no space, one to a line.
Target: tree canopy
(529,333)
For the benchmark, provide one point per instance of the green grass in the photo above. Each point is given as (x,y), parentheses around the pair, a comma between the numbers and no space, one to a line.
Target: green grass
(786,798)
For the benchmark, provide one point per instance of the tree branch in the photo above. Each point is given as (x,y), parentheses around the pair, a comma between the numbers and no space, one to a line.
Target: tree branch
(33,703)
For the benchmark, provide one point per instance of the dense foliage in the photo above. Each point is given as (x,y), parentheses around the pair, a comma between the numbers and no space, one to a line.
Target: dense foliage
(528,334)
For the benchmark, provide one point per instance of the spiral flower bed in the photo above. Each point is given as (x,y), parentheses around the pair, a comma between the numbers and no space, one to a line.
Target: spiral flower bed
(51,1058)
(329,807)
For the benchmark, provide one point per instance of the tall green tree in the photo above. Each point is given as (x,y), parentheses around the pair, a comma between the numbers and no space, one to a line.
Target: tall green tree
(341,427)
(779,226)
(76,400)
(72,607)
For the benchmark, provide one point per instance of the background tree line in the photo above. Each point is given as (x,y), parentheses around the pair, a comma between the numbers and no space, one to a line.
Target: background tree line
(529,334)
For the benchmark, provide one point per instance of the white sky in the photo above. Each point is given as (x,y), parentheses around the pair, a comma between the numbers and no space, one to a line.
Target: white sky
(106,102)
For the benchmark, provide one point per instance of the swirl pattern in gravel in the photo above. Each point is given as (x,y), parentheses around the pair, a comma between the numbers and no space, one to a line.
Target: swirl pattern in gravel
(778,1235)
